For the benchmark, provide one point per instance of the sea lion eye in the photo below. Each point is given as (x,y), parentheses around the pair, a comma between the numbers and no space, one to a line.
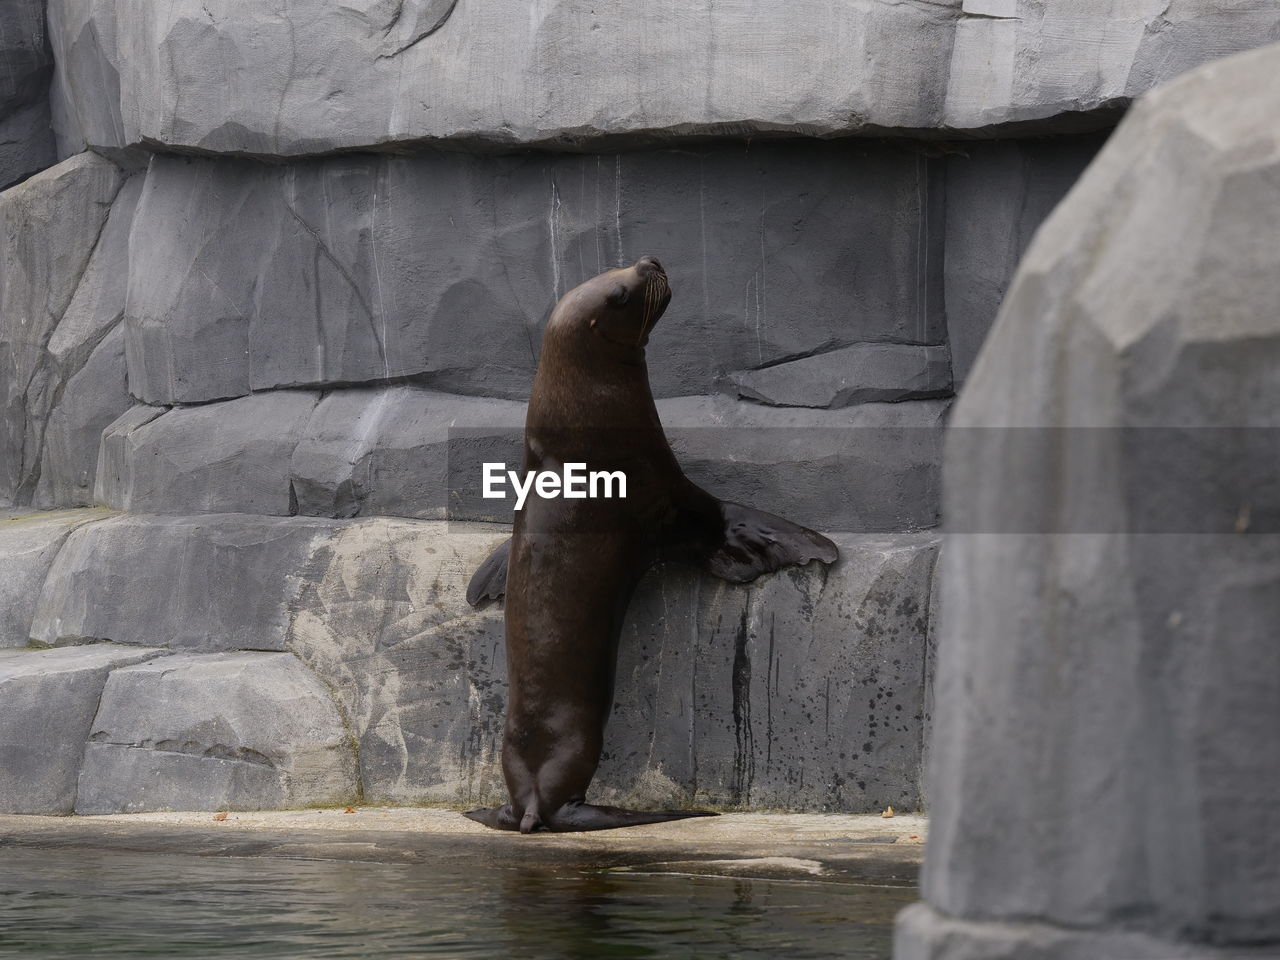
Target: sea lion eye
(618,296)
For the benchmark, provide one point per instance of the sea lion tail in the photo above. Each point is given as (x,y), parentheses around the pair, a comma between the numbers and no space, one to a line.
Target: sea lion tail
(489,582)
(574,817)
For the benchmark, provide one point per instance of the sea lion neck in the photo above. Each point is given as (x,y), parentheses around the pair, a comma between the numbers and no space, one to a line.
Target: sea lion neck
(584,381)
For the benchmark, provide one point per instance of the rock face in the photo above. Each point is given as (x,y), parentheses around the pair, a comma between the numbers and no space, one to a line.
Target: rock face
(49,699)
(218,458)
(241,731)
(804,690)
(201,584)
(64,265)
(422,678)
(411,452)
(28,546)
(864,373)
(285,292)
(26,133)
(365,268)
(563,74)
(998,194)
(1109,681)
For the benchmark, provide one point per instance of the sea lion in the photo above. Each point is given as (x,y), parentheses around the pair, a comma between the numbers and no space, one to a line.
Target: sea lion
(571,565)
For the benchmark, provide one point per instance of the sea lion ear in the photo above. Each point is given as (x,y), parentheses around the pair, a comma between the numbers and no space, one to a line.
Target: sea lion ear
(618,295)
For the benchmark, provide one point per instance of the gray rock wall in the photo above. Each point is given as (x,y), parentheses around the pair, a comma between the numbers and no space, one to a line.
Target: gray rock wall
(247,277)
(63,261)
(26,130)
(315,78)
(315,661)
(1105,762)
(285,292)
(248,730)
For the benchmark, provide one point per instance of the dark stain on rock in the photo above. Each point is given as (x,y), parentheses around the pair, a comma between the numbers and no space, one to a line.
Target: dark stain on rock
(744,747)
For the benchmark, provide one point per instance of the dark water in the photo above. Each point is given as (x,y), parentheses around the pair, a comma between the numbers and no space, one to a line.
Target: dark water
(72,903)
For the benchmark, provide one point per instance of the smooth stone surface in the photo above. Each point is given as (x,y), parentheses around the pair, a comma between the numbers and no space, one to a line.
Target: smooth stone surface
(445,267)
(872,468)
(89,402)
(801,691)
(407,451)
(24,53)
(228,457)
(26,137)
(48,699)
(116,453)
(864,373)
(421,677)
(314,78)
(81,386)
(201,584)
(1109,597)
(26,143)
(403,451)
(28,546)
(240,730)
(923,933)
(49,228)
(998,194)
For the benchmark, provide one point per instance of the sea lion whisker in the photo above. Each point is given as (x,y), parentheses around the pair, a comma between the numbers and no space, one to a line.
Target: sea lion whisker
(644,317)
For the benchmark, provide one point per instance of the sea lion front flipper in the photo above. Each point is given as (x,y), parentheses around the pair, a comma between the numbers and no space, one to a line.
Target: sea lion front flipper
(756,543)
(489,582)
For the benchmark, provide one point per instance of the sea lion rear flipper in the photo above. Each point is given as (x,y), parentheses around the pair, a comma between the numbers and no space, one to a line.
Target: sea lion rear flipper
(576,817)
(489,582)
(756,543)
(499,818)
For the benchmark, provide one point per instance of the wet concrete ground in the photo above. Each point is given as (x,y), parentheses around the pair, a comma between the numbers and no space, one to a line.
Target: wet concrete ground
(809,847)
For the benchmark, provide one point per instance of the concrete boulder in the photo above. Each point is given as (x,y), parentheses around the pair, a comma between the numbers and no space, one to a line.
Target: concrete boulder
(26,143)
(864,373)
(407,451)
(49,231)
(200,584)
(28,545)
(872,468)
(802,691)
(244,731)
(420,675)
(26,134)
(828,717)
(998,194)
(403,451)
(444,267)
(228,457)
(48,699)
(487,74)
(1109,681)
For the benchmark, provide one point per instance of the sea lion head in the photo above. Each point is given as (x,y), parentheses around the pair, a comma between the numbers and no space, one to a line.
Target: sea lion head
(619,306)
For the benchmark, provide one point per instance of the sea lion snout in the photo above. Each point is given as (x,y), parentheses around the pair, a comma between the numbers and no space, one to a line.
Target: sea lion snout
(648,265)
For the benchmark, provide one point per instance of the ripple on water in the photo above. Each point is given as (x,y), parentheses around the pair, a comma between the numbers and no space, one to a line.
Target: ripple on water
(76,903)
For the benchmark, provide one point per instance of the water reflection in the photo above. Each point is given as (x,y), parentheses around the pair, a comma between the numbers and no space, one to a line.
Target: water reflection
(60,903)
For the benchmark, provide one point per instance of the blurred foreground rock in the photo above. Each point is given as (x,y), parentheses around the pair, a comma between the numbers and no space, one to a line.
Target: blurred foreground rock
(1106,757)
